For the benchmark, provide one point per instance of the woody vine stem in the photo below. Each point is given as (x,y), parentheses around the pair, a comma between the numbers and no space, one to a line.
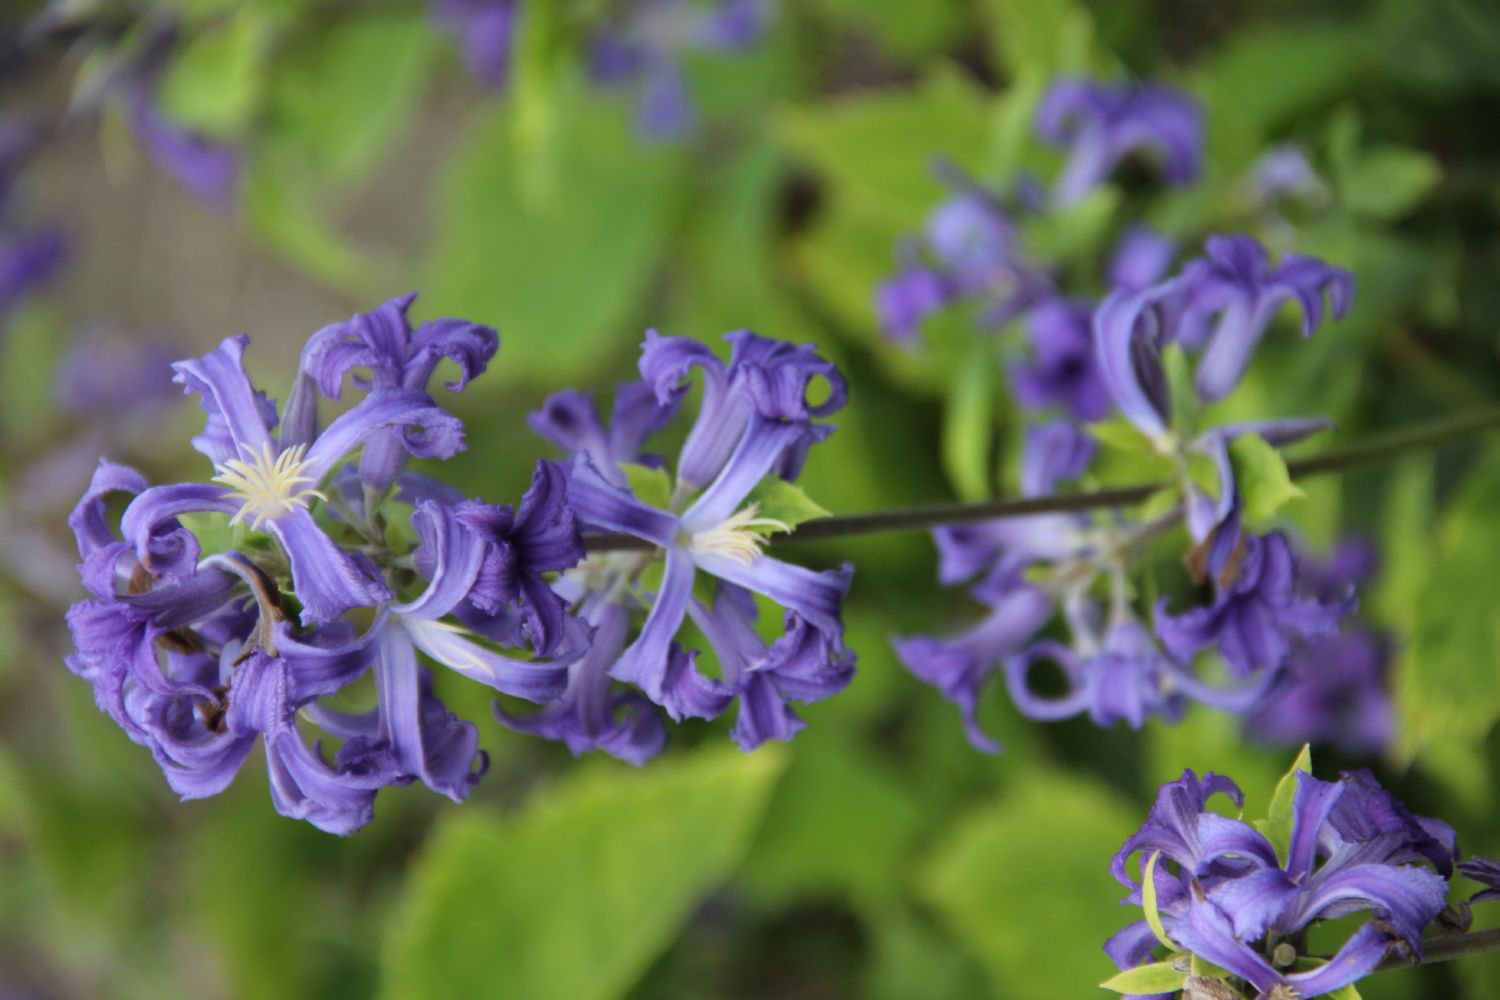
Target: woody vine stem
(1372,451)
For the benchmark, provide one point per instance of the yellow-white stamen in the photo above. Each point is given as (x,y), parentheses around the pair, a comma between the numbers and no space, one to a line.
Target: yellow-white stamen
(735,537)
(268,486)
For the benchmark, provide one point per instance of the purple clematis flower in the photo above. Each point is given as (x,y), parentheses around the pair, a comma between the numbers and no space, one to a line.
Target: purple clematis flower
(1126,679)
(1064,368)
(1236,283)
(968,251)
(594,712)
(643,47)
(755,421)
(1141,258)
(1284,172)
(1001,550)
(272,485)
(905,301)
(1336,687)
(1255,610)
(421,737)
(487,31)
(382,343)
(1352,847)
(803,665)
(1487,873)
(1103,123)
(188,670)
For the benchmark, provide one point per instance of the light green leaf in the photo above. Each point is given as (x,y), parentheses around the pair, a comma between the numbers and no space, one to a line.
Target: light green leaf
(1277,826)
(1261,475)
(1346,992)
(1119,433)
(1074,231)
(1387,183)
(782,501)
(559,272)
(1158,977)
(213,82)
(1022,877)
(1039,40)
(575,895)
(652,487)
(1148,901)
(1447,677)
(969,425)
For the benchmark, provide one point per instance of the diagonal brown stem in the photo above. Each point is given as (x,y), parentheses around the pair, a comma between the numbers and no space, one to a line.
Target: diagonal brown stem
(1372,451)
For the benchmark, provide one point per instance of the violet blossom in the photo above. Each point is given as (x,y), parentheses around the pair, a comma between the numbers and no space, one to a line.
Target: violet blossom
(642,46)
(755,421)
(486,30)
(1101,124)
(1352,847)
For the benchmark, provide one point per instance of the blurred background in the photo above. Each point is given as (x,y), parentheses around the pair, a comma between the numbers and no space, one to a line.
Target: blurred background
(189,169)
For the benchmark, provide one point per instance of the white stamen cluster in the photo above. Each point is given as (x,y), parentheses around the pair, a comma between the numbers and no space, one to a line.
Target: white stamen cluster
(268,486)
(735,537)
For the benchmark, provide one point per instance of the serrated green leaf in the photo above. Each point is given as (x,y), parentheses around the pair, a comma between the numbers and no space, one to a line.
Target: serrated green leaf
(1277,826)
(575,895)
(1158,977)
(1262,478)
(779,500)
(652,487)
(1148,901)
(1387,183)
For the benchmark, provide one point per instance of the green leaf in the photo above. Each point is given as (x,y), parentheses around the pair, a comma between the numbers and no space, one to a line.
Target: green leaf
(1346,992)
(1119,433)
(1020,884)
(969,425)
(1158,977)
(1388,183)
(652,487)
(1447,678)
(1277,826)
(1261,475)
(1148,902)
(1039,39)
(560,272)
(575,895)
(782,501)
(213,83)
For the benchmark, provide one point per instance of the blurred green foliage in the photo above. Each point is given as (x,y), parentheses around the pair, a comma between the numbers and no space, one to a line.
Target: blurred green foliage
(877,856)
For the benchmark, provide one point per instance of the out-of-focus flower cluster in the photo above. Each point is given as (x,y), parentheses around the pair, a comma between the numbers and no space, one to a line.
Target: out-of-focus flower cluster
(1135,373)
(250,606)
(1240,898)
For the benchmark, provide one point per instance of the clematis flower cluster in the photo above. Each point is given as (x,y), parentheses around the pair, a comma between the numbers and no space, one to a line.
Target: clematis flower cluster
(1119,663)
(1241,898)
(1134,370)
(306,587)
(699,532)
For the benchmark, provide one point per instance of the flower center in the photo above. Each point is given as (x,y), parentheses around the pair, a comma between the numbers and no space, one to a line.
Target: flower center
(268,486)
(736,536)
